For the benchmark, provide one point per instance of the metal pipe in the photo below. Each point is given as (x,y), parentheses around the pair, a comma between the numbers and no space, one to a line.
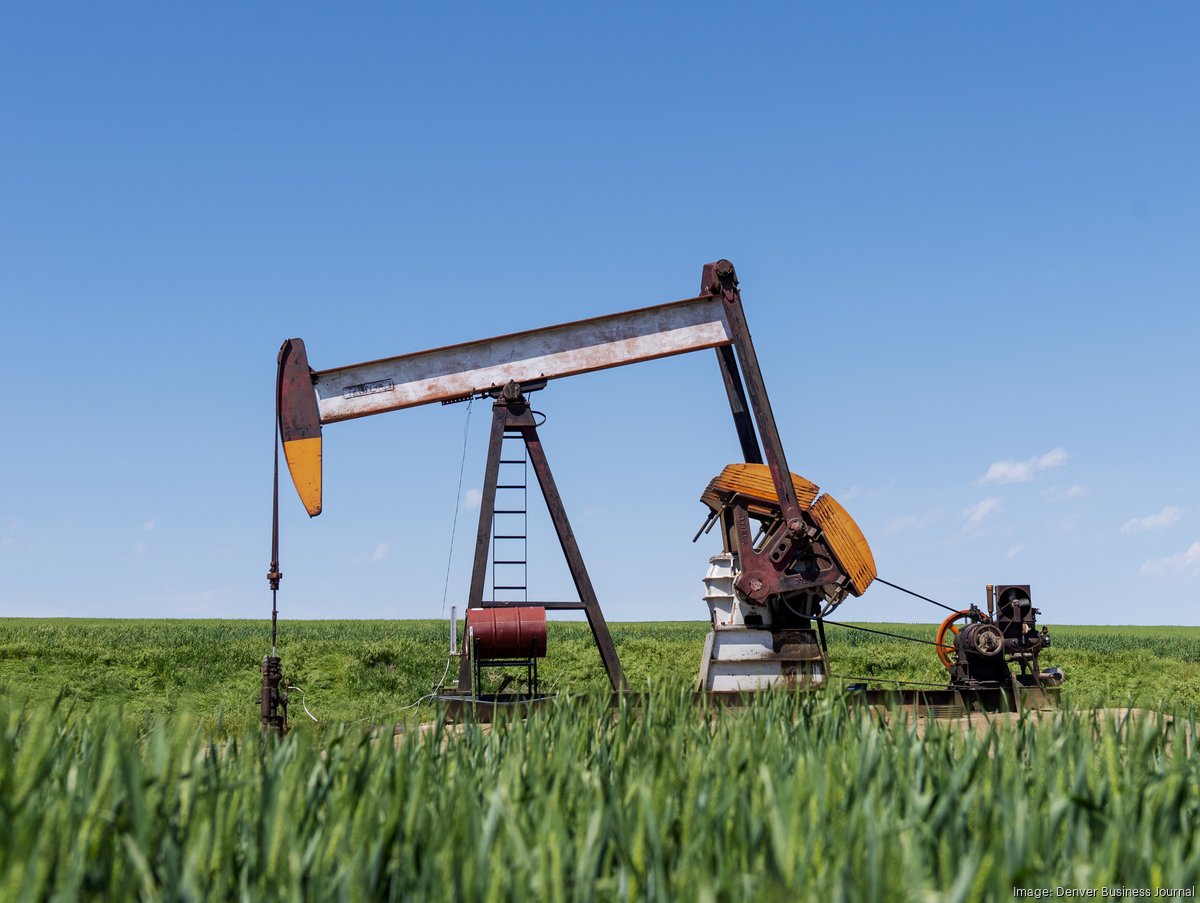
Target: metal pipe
(273,698)
(991,600)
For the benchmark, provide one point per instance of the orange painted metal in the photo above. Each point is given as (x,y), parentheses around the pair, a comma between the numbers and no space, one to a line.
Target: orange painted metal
(754,482)
(300,424)
(846,542)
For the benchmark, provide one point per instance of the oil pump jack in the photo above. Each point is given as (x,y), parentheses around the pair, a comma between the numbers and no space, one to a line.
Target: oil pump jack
(789,557)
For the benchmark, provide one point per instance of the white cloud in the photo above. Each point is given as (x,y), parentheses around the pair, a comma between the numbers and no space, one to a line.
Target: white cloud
(150,524)
(859,492)
(1076,491)
(912,521)
(139,551)
(16,537)
(977,512)
(1023,471)
(1015,551)
(1169,516)
(380,553)
(472,498)
(1185,561)
(1069,525)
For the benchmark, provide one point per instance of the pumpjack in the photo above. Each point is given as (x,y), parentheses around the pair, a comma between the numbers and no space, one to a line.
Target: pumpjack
(790,555)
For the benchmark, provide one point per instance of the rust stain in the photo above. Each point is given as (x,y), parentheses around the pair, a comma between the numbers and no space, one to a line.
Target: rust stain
(847,543)
(753,481)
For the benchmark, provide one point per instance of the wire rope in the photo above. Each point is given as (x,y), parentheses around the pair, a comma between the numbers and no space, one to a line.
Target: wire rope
(918,595)
(898,636)
(457,505)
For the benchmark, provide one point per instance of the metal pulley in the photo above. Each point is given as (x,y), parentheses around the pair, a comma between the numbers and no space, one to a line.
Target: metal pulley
(980,639)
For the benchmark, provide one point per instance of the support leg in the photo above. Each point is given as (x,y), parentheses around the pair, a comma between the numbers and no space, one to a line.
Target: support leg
(566,539)
(738,405)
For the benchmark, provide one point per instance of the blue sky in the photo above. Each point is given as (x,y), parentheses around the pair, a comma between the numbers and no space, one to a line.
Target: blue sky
(967,235)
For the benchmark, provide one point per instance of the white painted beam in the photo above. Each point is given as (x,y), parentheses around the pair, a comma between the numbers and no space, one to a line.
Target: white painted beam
(580,347)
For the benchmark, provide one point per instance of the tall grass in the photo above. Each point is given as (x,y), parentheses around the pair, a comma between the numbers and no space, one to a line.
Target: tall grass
(791,798)
(371,671)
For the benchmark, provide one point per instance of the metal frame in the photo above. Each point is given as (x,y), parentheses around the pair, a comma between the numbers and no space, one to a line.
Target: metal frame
(763,569)
(713,319)
(511,414)
(923,703)
(532,683)
(506,367)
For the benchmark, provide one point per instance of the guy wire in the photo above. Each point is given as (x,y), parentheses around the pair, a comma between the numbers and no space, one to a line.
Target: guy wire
(457,504)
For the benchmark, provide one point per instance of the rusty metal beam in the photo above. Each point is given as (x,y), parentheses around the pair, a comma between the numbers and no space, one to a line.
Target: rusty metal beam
(738,405)
(570,548)
(445,374)
(511,414)
(549,606)
(487,504)
(720,278)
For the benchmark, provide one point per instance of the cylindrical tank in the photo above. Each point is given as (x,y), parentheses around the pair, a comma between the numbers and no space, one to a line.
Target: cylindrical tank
(508,632)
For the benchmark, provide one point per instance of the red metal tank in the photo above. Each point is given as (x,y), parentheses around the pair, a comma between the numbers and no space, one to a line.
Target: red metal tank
(508,632)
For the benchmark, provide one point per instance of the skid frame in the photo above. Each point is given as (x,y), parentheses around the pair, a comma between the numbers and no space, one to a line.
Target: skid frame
(924,704)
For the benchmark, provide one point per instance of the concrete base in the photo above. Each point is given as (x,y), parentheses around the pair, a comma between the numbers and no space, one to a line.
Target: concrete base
(747,659)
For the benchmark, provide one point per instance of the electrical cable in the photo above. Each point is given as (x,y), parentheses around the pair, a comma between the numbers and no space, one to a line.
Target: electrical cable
(412,705)
(449,561)
(457,505)
(304,704)
(442,682)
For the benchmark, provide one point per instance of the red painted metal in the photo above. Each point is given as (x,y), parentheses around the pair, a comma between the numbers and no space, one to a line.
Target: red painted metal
(508,632)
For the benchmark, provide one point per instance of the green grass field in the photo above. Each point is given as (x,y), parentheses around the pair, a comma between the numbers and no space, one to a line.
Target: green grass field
(132,768)
(791,798)
(372,671)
